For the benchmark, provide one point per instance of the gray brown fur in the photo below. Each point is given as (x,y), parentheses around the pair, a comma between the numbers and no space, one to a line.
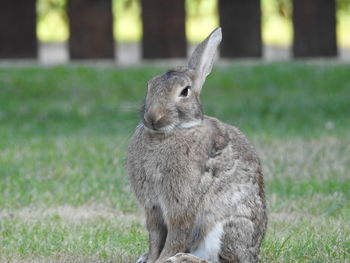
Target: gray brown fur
(192,172)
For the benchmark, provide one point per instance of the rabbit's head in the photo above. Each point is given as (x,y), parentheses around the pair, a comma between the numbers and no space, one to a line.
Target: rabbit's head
(172,99)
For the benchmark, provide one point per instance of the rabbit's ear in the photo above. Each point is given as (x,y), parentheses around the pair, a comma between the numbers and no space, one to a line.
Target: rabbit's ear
(202,58)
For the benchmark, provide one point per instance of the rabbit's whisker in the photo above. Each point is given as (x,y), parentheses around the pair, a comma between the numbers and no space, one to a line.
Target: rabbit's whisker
(140,125)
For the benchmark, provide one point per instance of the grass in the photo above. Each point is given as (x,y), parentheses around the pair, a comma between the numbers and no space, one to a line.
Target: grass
(64,132)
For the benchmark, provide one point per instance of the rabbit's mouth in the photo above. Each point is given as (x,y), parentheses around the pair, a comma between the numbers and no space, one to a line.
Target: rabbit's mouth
(164,129)
(172,126)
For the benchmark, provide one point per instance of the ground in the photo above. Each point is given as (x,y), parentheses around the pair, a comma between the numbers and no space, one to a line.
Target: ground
(64,132)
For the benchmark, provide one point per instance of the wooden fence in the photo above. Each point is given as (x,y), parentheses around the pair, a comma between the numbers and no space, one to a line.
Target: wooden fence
(163,25)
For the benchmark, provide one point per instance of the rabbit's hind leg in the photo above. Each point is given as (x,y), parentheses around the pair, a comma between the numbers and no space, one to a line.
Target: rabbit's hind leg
(239,241)
(185,258)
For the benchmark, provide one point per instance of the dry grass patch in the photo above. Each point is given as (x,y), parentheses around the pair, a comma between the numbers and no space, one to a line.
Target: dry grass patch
(70,214)
(321,158)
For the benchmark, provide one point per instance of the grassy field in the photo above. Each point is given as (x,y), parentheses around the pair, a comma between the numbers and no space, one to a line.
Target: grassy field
(64,196)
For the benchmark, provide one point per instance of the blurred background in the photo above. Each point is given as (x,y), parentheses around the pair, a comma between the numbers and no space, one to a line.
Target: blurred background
(128,31)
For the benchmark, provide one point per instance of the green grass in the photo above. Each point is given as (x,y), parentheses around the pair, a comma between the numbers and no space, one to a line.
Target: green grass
(64,132)
(51,236)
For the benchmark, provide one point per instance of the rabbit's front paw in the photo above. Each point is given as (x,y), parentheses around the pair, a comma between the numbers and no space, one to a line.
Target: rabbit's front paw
(143,258)
(185,258)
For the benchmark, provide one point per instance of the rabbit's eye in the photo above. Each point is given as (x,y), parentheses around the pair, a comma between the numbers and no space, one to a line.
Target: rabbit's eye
(184,92)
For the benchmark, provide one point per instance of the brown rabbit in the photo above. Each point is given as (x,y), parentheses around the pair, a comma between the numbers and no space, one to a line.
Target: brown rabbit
(198,179)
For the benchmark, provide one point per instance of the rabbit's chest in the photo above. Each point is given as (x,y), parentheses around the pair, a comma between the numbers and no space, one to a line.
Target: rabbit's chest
(165,171)
(168,167)
(162,163)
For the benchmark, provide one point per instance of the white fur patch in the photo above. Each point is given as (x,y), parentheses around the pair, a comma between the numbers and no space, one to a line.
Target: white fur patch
(189,124)
(209,248)
(141,260)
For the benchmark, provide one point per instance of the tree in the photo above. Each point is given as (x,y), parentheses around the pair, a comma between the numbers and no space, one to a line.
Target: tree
(91,29)
(163,29)
(18,29)
(314,24)
(241,24)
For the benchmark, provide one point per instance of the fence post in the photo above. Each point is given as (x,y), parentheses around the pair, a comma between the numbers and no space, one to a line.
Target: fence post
(241,24)
(163,26)
(314,25)
(91,29)
(18,29)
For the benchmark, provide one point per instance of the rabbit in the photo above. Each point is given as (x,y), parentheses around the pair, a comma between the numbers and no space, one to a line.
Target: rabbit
(199,180)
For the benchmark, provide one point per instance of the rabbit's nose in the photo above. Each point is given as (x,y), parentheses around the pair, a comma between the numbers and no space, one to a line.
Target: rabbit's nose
(153,119)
